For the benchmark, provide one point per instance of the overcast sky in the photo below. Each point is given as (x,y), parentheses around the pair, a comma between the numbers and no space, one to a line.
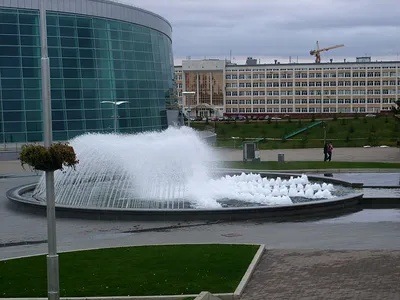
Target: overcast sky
(269,30)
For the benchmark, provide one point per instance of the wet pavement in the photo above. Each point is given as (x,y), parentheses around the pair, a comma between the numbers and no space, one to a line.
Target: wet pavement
(367,229)
(354,256)
(371,179)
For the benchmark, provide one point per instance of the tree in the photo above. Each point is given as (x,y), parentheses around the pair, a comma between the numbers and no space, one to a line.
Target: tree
(396,107)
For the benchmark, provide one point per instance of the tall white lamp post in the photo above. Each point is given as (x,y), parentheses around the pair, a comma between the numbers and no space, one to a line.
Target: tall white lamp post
(188,94)
(53,286)
(115,103)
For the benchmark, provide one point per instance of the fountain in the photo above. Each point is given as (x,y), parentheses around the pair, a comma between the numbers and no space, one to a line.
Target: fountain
(170,171)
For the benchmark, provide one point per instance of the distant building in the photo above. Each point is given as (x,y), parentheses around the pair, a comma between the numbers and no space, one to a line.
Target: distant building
(262,89)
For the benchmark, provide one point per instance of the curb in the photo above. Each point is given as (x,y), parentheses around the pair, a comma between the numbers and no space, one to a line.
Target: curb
(250,270)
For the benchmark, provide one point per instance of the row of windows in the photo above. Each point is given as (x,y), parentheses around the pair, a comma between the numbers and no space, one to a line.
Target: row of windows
(29,17)
(311,75)
(311,93)
(136,53)
(86,83)
(78,114)
(311,101)
(133,95)
(12,75)
(80,124)
(310,84)
(36,136)
(313,69)
(301,110)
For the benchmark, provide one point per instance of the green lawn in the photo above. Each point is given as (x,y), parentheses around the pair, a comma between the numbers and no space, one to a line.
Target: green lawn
(134,271)
(351,132)
(304,165)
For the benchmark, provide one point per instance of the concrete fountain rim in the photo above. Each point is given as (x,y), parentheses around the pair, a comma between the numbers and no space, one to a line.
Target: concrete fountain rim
(314,208)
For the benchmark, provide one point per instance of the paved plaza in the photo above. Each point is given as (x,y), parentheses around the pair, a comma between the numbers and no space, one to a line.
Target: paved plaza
(354,256)
(316,275)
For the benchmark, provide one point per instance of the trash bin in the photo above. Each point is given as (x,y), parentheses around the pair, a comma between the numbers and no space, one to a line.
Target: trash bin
(281,158)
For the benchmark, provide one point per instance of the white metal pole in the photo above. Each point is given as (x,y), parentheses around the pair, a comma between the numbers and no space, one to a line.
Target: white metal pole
(189,110)
(52,256)
(115,117)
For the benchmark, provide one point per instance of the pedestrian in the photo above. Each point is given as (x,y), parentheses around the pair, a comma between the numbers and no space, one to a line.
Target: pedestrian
(330,150)
(326,148)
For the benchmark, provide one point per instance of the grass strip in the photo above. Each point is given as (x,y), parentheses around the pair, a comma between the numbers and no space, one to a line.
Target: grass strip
(133,271)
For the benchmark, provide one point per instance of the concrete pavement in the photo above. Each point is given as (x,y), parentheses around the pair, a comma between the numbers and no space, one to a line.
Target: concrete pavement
(354,256)
(336,275)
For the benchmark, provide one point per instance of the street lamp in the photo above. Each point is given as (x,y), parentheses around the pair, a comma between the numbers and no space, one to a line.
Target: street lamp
(188,94)
(115,103)
(53,286)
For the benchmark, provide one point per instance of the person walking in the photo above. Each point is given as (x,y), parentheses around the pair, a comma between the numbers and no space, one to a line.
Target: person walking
(330,150)
(326,148)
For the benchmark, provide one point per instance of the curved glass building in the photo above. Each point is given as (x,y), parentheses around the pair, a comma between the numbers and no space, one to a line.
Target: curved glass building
(99,51)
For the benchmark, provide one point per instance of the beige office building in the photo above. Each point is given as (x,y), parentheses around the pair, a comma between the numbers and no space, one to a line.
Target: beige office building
(223,88)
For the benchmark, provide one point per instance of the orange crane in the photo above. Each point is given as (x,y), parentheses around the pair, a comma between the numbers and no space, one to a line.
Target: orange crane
(318,51)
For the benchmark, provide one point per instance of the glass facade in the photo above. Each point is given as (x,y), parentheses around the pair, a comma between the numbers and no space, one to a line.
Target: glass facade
(92,59)
(209,85)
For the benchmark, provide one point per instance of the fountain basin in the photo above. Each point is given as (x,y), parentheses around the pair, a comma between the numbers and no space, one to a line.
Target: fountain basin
(296,211)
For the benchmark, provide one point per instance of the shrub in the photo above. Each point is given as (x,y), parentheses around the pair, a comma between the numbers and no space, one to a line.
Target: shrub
(351,129)
(334,117)
(48,159)
(313,118)
(299,124)
(343,121)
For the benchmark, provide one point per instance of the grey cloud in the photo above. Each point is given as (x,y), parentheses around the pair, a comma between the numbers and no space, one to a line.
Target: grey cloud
(280,28)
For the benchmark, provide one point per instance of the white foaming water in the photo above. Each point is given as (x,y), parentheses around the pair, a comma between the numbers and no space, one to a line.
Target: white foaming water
(163,170)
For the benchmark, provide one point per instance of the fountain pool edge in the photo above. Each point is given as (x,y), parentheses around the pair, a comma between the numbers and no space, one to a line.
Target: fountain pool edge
(297,211)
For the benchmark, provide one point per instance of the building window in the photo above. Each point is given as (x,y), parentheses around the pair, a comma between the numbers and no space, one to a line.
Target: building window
(248,102)
(228,102)
(241,101)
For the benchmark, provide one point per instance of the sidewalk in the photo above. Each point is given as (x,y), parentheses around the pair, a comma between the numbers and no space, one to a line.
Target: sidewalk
(315,154)
(315,275)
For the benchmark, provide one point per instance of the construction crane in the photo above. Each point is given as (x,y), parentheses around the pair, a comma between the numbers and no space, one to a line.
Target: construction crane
(318,51)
